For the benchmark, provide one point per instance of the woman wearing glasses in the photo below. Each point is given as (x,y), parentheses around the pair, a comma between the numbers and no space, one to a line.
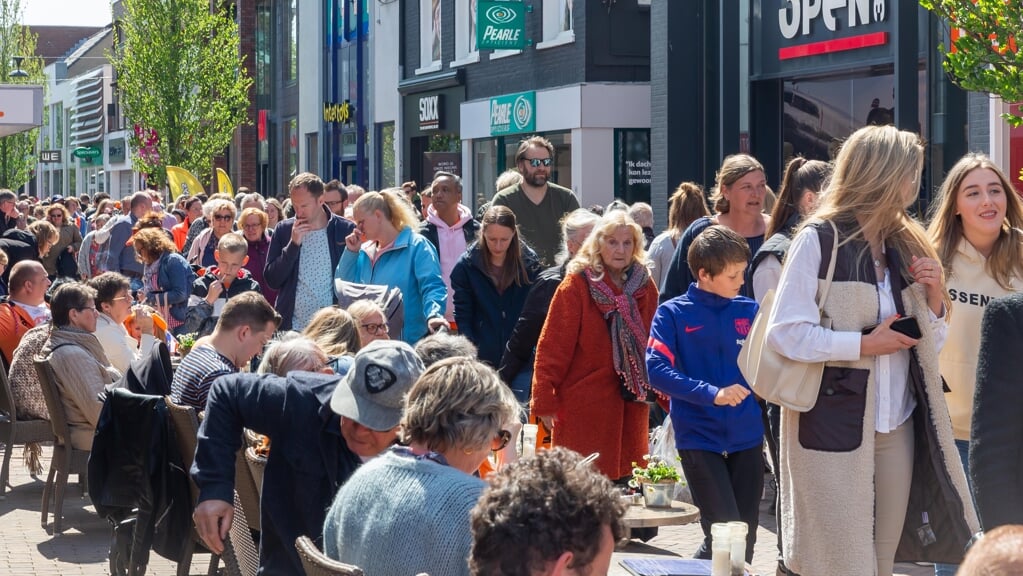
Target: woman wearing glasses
(589,370)
(222,216)
(370,319)
(490,283)
(253,223)
(455,415)
(69,241)
(114,302)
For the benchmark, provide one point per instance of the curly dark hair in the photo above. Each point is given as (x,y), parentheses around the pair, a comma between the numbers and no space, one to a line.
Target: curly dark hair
(536,509)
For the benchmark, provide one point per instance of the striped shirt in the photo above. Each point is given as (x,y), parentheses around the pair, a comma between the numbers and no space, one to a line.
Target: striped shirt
(196,373)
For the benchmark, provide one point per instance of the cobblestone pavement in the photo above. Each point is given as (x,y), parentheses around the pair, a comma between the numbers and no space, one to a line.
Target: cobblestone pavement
(27,549)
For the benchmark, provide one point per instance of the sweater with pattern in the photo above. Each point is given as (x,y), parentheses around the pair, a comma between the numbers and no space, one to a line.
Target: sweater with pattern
(403,516)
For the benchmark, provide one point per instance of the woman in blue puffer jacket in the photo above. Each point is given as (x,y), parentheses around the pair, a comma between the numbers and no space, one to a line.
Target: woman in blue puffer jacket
(384,249)
(490,283)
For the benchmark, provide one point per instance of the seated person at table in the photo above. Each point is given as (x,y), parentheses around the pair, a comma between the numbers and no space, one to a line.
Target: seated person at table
(25,307)
(245,326)
(546,516)
(114,301)
(212,289)
(334,330)
(455,415)
(293,352)
(315,450)
(79,364)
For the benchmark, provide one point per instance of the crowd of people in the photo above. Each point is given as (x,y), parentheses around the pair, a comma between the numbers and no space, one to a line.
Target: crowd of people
(581,320)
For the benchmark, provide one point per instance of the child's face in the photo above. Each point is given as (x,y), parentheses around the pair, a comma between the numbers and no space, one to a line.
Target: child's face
(230,264)
(726,284)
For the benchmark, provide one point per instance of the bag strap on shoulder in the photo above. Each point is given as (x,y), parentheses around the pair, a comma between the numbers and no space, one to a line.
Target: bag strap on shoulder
(831,269)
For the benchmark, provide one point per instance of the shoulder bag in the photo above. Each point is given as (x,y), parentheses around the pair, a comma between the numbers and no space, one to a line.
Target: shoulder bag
(773,376)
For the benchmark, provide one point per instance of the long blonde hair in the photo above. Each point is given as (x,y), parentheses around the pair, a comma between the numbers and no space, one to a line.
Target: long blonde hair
(589,255)
(396,210)
(946,229)
(867,189)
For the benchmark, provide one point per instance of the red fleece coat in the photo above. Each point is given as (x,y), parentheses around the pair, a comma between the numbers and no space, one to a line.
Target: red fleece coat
(574,379)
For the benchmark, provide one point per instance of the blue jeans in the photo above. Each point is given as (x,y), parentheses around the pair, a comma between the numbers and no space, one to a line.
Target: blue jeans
(963,446)
(522,387)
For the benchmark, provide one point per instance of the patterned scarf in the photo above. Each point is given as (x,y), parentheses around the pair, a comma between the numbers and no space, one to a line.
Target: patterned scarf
(628,335)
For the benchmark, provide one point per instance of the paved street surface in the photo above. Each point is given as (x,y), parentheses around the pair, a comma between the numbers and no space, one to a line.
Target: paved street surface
(26,549)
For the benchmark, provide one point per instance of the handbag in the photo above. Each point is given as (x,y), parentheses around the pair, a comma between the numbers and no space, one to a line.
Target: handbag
(773,376)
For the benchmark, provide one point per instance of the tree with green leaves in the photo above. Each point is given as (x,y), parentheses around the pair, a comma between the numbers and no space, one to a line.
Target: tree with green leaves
(984,54)
(18,151)
(182,82)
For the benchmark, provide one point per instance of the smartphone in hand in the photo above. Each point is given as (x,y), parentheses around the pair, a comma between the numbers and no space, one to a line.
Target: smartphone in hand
(907,326)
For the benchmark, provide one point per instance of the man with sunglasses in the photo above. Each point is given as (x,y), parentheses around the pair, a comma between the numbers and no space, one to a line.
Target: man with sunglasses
(538,204)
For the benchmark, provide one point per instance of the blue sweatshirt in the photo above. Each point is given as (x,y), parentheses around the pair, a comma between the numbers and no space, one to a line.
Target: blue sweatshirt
(694,344)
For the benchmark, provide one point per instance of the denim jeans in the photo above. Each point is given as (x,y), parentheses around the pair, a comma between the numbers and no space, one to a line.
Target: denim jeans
(963,446)
(522,388)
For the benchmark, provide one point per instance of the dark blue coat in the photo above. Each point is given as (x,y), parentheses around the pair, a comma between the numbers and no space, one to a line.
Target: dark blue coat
(281,272)
(483,315)
(692,353)
(308,462)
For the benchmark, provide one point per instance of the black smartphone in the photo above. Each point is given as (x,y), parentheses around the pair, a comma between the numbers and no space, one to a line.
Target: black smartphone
(907,325)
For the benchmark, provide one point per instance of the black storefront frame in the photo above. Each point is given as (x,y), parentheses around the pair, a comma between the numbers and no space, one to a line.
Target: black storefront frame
(451,85)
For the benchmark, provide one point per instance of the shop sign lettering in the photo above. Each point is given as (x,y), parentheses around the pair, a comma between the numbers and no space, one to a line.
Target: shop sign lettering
(501,25)
(513,113)
(796,17)
(430,112)
(334,113)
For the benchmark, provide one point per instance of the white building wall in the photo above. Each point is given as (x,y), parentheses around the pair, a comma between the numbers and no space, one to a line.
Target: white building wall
(310,78)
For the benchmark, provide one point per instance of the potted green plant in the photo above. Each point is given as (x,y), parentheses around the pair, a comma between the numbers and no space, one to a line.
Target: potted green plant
(656,479)
(185,343)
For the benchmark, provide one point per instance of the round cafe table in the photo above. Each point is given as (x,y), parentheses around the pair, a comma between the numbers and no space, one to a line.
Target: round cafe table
(639,516)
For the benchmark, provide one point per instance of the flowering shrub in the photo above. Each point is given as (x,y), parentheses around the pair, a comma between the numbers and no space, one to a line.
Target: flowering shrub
(655,470)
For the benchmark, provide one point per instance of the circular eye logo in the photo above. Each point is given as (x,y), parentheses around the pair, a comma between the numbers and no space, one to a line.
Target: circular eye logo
(500,15)
(522,112)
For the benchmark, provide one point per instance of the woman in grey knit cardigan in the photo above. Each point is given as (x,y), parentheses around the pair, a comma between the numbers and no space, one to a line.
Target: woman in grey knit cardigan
(407,511)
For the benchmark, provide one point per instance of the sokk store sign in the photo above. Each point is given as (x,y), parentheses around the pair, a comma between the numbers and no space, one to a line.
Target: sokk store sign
(513,113)
(500,25)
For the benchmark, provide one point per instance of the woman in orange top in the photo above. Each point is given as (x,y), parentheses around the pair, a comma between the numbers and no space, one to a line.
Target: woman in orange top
(193,212)
(591,352)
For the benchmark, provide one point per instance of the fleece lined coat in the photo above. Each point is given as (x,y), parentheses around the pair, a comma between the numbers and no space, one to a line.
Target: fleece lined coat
(827,454)
(574,379)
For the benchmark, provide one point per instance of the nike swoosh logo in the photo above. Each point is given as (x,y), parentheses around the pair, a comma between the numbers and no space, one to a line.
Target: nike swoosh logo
(690,329)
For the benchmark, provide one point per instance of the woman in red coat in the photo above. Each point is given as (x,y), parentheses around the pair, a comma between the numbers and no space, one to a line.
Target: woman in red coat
(591,351)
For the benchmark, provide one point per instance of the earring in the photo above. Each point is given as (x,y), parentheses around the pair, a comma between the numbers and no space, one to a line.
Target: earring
(467,450)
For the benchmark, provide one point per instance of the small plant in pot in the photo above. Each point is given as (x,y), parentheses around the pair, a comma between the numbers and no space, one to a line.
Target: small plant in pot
(656,479)
(185,343)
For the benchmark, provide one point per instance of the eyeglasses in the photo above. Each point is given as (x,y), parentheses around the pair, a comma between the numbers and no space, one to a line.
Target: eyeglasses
(375,328)
(501,440)
(333,203)
(129,297)
(255,226)
(223,217)
(536,162)
(93,308)
(56,215)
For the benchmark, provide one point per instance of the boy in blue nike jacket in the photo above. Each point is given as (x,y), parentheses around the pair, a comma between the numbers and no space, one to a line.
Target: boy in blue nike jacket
(691,356)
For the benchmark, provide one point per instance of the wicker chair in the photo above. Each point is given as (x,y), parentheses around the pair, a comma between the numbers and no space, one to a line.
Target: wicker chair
(14,431)
(186,431)
(66,459)
(246,489)
(316,564)
(257,466)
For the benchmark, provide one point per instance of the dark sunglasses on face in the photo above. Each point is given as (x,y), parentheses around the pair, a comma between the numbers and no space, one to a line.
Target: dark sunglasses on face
(223,217)
(501,440)
(536,162)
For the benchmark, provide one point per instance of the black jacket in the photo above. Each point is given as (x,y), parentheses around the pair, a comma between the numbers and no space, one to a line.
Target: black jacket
(199,318)
(19,245)
(996,457)
(150,374)
(135,464)
(519,350)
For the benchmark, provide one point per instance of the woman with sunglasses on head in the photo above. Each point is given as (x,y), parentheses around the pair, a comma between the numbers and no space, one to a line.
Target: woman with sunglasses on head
(69,241)
(490,283)
(222,214)
(456,414)
(976,228)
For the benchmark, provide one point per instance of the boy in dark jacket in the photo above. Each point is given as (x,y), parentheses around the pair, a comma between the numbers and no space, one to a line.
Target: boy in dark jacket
(215,285)
(691,356)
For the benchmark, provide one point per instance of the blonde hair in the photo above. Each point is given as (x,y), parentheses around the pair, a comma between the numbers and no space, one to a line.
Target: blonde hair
(293,352)
(732,168)
(264,218)
(215,205)
(946,229)
(361,309)
(508,178)
(868,189)
(334,330)
(233,243)
(589,255)
(44,232)
(394,208)
(685,206)
(571,225)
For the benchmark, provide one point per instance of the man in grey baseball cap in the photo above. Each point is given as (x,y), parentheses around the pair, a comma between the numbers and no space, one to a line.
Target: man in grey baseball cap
(322,428)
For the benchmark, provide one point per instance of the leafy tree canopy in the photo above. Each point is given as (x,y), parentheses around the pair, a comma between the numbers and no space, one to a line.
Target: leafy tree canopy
(17,152)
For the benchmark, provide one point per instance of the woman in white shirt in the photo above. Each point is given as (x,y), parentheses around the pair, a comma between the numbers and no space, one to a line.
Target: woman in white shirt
(114,303)
(880,419)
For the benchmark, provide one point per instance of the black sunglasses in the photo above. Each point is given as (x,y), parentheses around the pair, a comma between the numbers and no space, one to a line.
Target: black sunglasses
(502,440)
(536,162)
(223,217)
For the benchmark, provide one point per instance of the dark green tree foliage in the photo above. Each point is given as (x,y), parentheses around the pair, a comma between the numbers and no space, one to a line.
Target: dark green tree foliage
(17,152)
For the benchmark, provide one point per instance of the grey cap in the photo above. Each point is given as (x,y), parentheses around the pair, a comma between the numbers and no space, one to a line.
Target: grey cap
(373,391)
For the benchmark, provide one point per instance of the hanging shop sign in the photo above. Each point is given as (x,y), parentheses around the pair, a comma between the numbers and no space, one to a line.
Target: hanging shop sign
(500,25)
(50,156)
(116,151)
(431,112)
(334,113)
(513,113)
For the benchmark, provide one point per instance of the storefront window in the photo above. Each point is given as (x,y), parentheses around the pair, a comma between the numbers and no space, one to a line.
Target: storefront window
(485,172)
(385,152)
(312,152)
(291,137)
(819,113)
(632,165)
(264,55)
(291,42)
(561,170)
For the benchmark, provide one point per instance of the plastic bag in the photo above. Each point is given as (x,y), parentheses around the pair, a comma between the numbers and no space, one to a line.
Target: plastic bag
(662,447)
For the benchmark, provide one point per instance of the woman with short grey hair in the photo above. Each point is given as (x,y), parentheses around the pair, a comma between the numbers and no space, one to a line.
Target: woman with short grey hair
(455,415)
(293,353)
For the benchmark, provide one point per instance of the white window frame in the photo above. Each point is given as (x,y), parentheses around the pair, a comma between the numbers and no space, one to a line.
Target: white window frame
(553,35)
(465,47)
(426,62)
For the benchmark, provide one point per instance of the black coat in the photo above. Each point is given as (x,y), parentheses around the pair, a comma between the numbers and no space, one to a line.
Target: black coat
(996,445)
(519,350)
(19,245)
(135,464)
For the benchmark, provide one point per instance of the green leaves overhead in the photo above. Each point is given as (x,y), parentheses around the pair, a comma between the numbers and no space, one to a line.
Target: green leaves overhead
(17,152)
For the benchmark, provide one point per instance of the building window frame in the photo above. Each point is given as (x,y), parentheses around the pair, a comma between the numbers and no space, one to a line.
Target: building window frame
(466,51)
(557,29)
(431,32)
(291,42)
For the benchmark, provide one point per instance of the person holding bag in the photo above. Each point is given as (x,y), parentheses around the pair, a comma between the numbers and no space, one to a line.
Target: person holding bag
(872,464)
(590,367)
